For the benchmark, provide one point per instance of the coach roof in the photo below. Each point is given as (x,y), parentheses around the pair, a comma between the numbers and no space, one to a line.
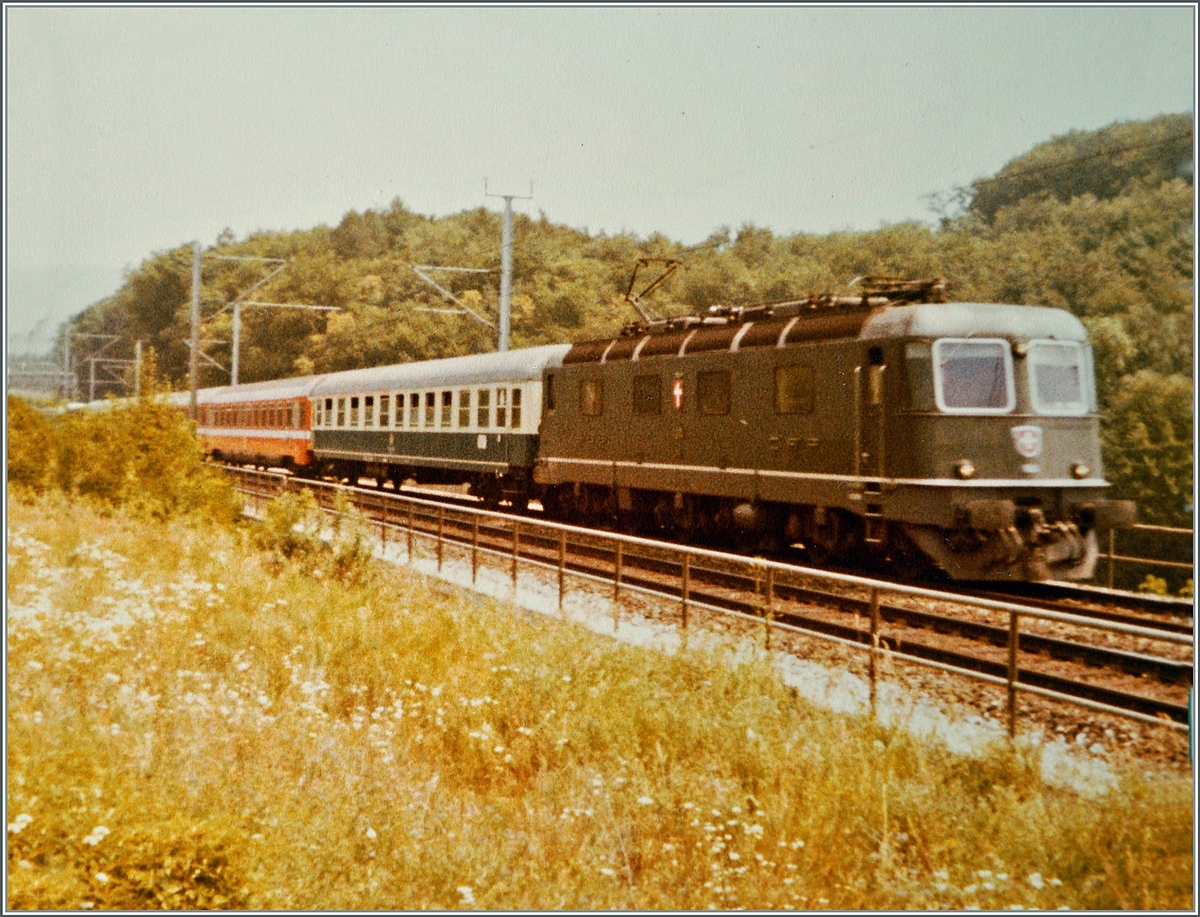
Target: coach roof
(512,366)
(272,390)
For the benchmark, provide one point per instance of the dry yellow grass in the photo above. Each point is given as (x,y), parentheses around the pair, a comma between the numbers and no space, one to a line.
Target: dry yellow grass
(194,721)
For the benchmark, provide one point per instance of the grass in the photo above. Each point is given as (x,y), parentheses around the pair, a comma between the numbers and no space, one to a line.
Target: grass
(198,721)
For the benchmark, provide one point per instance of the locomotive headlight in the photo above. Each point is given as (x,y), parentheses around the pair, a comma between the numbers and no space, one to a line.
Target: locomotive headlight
(1080,470)
(965,469)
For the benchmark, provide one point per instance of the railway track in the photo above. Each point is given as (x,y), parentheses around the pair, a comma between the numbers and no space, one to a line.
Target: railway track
(1102,675)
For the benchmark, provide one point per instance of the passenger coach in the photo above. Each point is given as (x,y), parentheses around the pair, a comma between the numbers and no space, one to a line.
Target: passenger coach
(261,423)
(471,419)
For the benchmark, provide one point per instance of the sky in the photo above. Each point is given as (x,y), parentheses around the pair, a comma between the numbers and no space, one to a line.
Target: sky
(131,130)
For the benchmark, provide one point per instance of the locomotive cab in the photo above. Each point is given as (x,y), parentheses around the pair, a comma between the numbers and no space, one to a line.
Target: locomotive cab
(1001,475)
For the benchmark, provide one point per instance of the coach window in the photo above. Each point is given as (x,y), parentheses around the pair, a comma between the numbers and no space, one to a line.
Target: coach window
(295,415)
(430,407)
(464,408)
(447,408)
(354,411)
(793,390)
(385,410)
(647,395)
(591,397)
(549,395)
(414,411)
(369,411)
(516,408)
(712,392)
(484,410)
(501,408)
(973,376)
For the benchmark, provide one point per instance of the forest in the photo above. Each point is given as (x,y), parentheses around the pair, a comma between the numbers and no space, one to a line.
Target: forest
(1099,223)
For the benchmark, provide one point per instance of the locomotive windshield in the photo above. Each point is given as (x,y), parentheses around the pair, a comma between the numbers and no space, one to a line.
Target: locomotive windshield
(1058,378)
(973,376)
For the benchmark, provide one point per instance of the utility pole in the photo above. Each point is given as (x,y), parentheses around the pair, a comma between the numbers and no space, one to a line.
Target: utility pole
(67,366)
(506,262)
(236,306)
(237,324)
(194,359)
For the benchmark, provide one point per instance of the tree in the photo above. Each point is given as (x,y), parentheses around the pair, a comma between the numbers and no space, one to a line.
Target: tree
(1147,436)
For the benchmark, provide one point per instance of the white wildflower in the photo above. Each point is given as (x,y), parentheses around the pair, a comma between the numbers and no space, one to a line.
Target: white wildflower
(1036,880)
(98,834)
(645,801)
(19,823)
(468,896)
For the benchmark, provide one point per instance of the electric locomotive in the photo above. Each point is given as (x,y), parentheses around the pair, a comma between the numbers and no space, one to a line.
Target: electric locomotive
(961,436)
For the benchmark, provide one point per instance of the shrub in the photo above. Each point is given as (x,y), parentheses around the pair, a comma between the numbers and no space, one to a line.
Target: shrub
(30,446)
(141,454)
(294,530)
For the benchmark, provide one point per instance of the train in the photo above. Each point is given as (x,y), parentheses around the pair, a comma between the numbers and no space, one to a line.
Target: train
(951,438)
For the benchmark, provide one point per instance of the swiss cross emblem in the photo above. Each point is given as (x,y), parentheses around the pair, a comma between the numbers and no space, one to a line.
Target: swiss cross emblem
(1028,440)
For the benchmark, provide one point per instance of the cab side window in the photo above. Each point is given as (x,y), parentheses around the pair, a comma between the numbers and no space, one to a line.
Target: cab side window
(712,392)
(647,395)
(793,390)
(591,397)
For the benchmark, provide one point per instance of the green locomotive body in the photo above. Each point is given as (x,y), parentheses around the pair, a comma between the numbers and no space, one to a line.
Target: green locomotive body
(963,435)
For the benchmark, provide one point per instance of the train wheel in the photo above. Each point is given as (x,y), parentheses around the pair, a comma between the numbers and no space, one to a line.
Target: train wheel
(831,536)
(552,502)
(488,490)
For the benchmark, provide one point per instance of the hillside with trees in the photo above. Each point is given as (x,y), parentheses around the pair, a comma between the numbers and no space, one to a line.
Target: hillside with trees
(1100,223)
